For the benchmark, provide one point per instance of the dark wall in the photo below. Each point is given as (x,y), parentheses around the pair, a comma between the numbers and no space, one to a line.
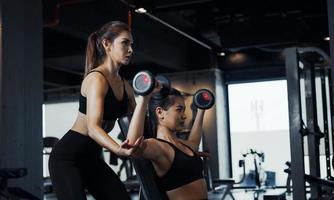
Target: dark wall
(21,91)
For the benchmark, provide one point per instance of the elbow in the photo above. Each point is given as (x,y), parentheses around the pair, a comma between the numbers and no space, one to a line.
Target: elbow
(131,140)
(132,136)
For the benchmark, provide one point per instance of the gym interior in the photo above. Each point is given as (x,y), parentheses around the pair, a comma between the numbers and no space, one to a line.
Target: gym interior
(269,65)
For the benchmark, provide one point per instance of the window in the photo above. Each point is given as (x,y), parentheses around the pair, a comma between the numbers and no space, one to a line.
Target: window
(259,120)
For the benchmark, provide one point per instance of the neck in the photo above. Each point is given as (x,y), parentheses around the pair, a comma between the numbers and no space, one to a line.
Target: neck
(111,68)
(165,133)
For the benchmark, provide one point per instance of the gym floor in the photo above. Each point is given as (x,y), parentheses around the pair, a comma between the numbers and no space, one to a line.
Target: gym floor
(239,194)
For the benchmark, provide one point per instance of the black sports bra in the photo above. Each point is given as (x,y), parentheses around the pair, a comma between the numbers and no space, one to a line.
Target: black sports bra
(113,108)
(185,169)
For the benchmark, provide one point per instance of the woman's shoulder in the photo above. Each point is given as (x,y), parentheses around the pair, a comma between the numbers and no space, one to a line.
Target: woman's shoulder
(94,81)
(158,143)
(157,150)
(95,75)
(153,141)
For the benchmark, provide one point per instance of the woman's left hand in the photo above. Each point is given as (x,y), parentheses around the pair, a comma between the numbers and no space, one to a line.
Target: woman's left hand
(129,150)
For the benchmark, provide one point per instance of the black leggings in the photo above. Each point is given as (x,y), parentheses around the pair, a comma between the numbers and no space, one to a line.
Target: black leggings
(76,164)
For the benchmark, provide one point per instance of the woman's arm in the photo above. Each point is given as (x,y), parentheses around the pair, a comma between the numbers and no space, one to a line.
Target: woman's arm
(138,106)
(195,135)
(136,127)
(95,93)
(131,98)
(152,150)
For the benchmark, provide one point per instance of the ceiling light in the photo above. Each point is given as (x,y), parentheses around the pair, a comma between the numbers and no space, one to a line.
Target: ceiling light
(140,10)
(221,53)
(326,38)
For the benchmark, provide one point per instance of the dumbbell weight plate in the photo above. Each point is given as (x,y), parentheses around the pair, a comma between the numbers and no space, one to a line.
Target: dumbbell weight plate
(204,99)
(143,83)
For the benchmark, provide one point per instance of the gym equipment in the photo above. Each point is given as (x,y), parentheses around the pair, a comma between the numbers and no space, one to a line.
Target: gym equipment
(48,144)
(219,187)
(144,82)
(288,179)
(204,99)
(13,192)
(307,63)
(327,185)
(257,163)
(274,196)
(259,176)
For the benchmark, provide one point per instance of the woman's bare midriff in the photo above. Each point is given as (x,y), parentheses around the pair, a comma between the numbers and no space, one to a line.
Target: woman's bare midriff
(195,190)
(80,124)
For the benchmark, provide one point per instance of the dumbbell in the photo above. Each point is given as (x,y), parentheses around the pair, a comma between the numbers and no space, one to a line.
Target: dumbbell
(144,82)
(204,99)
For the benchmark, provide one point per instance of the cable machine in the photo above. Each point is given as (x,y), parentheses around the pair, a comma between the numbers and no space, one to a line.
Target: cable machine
(303,66)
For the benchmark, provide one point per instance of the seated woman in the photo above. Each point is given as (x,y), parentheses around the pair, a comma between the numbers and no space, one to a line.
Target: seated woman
(179,168)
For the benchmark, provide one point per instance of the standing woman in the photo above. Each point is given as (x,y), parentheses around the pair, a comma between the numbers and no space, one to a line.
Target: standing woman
(76,161)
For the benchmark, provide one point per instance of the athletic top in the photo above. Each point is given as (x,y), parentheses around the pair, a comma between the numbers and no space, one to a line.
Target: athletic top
(184,169)
(113,108)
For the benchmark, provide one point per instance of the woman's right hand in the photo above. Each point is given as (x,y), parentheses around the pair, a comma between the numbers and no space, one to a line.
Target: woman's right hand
(128,150)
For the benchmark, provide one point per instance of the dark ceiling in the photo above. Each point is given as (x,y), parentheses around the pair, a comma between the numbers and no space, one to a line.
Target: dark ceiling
(181,35)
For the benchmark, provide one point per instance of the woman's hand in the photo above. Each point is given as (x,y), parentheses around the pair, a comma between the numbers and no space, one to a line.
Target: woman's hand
(128,150)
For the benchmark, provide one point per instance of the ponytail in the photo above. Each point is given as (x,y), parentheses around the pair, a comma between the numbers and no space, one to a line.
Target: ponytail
(153,120)
(94,53)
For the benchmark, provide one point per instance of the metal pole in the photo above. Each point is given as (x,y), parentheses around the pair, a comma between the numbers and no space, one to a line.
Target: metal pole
(295,121)
(312,127)
(323,74)
(330,14)
(330,89)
